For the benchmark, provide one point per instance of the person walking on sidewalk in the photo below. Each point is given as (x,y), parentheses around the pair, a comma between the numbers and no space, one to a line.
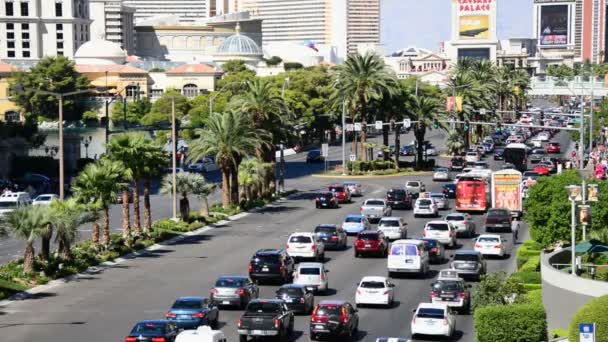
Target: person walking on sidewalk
(515,229)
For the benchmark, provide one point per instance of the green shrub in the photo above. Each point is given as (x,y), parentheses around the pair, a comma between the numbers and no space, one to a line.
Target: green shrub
(592,312)
(533,297)
(527,277)
(532,287)
(524,253)
(506,323)
(555,333)
(531,265)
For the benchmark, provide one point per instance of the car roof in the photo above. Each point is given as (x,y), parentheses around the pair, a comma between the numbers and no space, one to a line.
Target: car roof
(153,321)
(373,278)
(233,277)
(369,232)
(494,236)
(437,221)
(293,286)
(326,225)
(332,302)
(355,216)
(269,251)
(302,234)
(432,306)
(469,252)
(310,264)
(391,218)
(190,298)
(456,214)
(408,241)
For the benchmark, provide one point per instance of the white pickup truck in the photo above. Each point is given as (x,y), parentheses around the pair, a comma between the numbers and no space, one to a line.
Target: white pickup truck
(374,209)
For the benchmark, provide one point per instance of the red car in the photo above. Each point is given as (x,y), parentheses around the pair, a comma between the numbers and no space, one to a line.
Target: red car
(542,169)
(341,192)
(371,243)
(554,147)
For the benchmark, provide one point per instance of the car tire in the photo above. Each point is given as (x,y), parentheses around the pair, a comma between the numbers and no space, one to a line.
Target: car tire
(242,338)
(389,274)
(314,337)
(357,255)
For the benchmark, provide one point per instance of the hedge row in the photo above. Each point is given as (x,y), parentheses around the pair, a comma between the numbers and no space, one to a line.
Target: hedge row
(527,277)
(592,312)
(531,265)
(528,250)
(374,165)
(511,323)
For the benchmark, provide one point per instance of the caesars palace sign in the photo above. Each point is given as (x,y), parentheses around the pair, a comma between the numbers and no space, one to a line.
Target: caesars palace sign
(475,6)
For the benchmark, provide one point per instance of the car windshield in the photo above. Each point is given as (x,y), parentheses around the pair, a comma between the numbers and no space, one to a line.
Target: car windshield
(396,194)
(267,258)
(8,205)
(443,285)
(372,202)
(437,226)
(466,257)
(353,219)
(187,304)
(43,198)
(328,310)
(455,218)
(149,329)
(488,239)
(300,239)
(336,189)
(389,223)
(290,292)
(326,195)
(310,270)
(438,196)
(413,184)
(368,237)
(264,307)
(326,229)
(497,213)
(425,202)
(229,282)
(430,243)
(430,313)
(372,284)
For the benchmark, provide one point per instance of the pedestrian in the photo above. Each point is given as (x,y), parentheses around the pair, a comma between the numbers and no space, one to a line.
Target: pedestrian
(515,229)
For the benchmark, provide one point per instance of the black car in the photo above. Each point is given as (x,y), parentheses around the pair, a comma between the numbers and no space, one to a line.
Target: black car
(334,319)
(457,164)
(314,156)
(160,330)
(498,219)
(333,237)
(499,154)
(266,317)
(297,298)
(449,190)
(326,200)
(398,199)
(271,264)
(435,249)
(193,312)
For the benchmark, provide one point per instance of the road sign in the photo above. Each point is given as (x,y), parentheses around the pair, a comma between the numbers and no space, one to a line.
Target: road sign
(378,124)
(350,127)
(586,332)
(407,123)
(325,150)
(357,126)
(353,157)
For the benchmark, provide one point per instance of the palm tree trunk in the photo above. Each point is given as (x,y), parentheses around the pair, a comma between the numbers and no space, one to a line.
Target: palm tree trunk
(234,185)
(184,207)
(105,226)
(226,188)
(205,207)
(397,146)
(420,133)
(147,209)
(95,235)
(136,215)
(45,244)
(126,215)
(28,258)
(385,132)
(65,249)
(363,104)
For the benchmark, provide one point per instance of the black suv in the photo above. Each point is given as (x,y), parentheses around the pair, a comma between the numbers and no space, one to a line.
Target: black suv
(271,264)
(398,199)
(333,237)
(457,164)
(326,200)
(498,219)
(297,298)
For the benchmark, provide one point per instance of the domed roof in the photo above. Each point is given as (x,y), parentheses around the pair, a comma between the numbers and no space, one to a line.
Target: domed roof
(238,45)
(100,51)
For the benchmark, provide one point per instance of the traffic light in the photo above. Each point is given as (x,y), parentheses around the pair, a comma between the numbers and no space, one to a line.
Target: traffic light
(499,128)
(435,124)
(466,125)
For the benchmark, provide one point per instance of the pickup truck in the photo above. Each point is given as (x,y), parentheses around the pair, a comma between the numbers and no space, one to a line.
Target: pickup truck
(266,317)
(375,209)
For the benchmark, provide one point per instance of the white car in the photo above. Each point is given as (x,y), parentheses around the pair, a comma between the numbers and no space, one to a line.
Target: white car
(375,291)
(305,245)
(393,227)
(312,275)
(354,189)
(425,207)
(355,224)
(471,157)
(45,199)
(462,223)
(433,319)
(441,201)
(441,174)
(441,231)
(414,187)
(9,201)
(201,334)
(491,244)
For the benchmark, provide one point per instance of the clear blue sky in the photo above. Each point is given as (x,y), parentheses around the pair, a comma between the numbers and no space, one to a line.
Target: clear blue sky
(426,23)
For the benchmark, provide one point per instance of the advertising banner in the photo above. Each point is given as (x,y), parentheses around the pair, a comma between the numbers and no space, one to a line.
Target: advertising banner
(553,25)
(466,7)
(584,214)
(474,27)
(450,104)
(506,190)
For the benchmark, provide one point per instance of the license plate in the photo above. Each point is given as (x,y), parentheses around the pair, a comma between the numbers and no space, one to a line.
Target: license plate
(265,269)
(320,327)
(257,332)
(408,261)
(310,288)
(226,302)
(367,246)
(288,300)
(324,204)
(430,322)
(184,316)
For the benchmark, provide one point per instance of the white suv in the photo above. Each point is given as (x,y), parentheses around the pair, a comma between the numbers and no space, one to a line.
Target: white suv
(426,207)
(305,245)
(393,228)
(312,275)
(441,231)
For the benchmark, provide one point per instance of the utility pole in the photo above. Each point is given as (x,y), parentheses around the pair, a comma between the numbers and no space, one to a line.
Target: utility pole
(592,110)
(174,158)
(344,137)
(61,154)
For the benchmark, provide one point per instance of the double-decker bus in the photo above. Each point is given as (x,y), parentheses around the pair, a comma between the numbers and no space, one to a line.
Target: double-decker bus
(473,192)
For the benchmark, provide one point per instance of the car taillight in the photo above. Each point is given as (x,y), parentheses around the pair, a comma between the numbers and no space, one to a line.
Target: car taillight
(419,252)
(477,245)
(238,323)
(277,324)
(414,320)
(313,247)
(358,243)
(334,238)
(445,321)
(241,292)
(434,250)
(385,292)
(250,268)
(297,275)
(170,315)
(462,295)
(498,246)
(198,315)
(302,301)
(451,234)
(158,339)
(424,233)
(344,316)
(465,222)
(322,275)
(130,339)
(213,291)
(359,291)
(434,294)
(331,199)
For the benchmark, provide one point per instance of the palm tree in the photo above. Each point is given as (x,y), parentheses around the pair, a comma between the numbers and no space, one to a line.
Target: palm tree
(364,78)
(100,183)
(66,217)
(154,160)
(187,183)
(454,142)
(27,224)
(227,137)
(251,177)
(424,109)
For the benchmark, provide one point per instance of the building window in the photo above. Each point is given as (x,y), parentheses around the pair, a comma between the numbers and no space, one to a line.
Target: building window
(10,44)
(10,35)
(59,27)
(58,9)
(8,8)
(59,36)
(59,45)
(25,45)
(25,27)
(156,93)
(10,26)
(25,35)
(12,116)
(25,9)
(11,53)
(59,53)
(26,54)
(131,91)
(190,90)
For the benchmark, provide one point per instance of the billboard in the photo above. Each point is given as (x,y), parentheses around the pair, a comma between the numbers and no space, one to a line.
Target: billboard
(474,53)
(474,27)
(553,25)
(469,7)
(506,190)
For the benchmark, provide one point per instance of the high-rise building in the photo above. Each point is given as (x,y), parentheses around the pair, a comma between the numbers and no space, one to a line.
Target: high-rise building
(30,30)
(337,25)
(114,21)
(593,30)
(185,10)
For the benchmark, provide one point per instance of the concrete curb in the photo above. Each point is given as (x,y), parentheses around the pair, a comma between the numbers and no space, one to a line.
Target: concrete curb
(421,173)
(109,264)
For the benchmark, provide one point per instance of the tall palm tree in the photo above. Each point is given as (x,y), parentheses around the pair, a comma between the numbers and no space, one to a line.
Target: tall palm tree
(27,224)
(228,136)
(364,78)
(424,109)
(100,183)
(153,161)
(187,183)
(66,217)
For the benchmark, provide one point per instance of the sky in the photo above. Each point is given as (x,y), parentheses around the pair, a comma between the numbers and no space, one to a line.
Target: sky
(426,23)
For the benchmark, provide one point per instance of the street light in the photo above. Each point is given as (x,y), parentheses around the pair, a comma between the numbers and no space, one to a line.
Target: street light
(574,194)
(86,142)
(59,96)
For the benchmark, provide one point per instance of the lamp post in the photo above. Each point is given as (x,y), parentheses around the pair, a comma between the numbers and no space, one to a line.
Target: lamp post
(60,97)
(344,137)
(574,194)
(174,160)
(281,187)
(86,142)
